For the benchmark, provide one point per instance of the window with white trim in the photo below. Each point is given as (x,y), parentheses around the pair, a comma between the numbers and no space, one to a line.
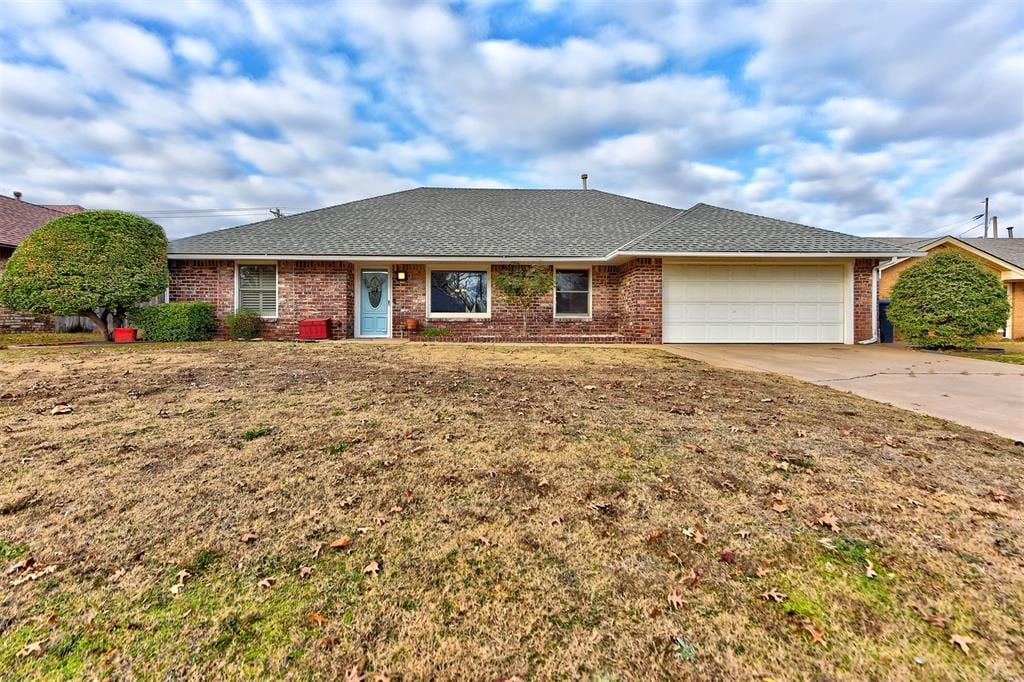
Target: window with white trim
(257,289)
(572,292)
(459,293)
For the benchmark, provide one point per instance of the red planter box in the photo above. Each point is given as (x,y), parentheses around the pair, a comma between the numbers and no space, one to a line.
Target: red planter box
(314,329)
(125,335)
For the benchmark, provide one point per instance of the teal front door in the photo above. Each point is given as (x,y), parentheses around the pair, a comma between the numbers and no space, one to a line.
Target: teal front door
(373,303)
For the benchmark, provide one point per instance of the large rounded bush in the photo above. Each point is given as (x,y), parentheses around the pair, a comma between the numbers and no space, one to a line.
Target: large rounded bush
(98,264)
(947,300)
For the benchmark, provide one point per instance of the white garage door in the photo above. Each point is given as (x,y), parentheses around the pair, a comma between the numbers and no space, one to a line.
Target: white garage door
(754,303)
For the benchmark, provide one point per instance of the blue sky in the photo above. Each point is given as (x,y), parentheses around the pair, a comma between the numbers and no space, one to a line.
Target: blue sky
(869,117)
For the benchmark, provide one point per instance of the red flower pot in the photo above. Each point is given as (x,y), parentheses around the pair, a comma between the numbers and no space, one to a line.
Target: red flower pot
(125,335)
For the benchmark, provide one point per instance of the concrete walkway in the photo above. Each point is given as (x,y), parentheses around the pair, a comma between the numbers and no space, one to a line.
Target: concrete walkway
(981,394)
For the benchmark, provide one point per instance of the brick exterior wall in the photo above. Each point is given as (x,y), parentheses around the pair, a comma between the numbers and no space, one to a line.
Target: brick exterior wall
(305,289)
(640,293)
(625,302)
(863,308)
(506,320)
(17,321)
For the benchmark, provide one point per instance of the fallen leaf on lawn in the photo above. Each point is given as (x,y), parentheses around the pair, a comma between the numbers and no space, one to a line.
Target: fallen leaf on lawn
(761,571)
(342,542)
(62,409)
(557,521)
(870,571)
(363,530)
(773,595)
(767,400)
(675,599)
(744,534)
(117,575)
(183,575)
(395,510)
(249,538)
(355,672)
(963,642)
(937,621)
(267,583)
(305,571)
(484,541)
(325,642)
(31,649)
(372,568)
(318,550)
(780,507)
(698,537)
(817,636)
(727,557)
(998,496)
(655,536)
(829,519)
(691,577)
(800,433)
(673,555)
(317,618)
(590,388)
(20,565)
(176,588)
(35,575)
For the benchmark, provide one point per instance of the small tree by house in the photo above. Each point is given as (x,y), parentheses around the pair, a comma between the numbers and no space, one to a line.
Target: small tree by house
(523,285)
(96,264)
(947,301)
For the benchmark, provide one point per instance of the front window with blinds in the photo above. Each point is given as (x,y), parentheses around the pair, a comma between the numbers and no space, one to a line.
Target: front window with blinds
(257,289)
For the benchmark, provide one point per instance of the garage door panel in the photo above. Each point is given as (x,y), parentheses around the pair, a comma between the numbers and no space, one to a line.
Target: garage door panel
(750,303)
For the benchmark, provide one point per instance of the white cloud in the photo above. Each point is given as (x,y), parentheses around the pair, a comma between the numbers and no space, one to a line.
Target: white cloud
(195,50)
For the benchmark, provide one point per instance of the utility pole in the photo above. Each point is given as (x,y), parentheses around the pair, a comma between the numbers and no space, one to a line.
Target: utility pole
(276,212)
(986,216)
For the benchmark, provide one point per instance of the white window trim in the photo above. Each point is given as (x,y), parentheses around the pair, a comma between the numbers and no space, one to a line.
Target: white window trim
(465,267)
(277,285)
(590,293)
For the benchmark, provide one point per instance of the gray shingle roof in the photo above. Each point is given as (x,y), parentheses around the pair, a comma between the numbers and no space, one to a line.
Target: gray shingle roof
(710,229)
(448,222)
(1009,250)
(500,223)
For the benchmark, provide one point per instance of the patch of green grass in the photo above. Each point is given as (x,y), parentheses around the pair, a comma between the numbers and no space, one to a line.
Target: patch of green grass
(9,551)
(256,432)
(337,412)
(338,447)
(433,332)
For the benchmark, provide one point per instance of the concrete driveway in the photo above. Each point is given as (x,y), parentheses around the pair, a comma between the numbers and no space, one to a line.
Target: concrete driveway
(981,394)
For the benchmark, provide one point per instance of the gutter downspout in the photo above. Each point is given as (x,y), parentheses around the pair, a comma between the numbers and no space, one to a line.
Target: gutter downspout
(874,306)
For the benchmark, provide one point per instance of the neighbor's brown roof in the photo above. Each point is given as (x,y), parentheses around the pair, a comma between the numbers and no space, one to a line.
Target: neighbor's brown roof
(18,218)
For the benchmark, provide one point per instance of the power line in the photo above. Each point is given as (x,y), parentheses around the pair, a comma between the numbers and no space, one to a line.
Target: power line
(970,229)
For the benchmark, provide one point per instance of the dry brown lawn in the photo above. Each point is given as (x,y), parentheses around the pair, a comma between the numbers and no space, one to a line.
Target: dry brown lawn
(531,512)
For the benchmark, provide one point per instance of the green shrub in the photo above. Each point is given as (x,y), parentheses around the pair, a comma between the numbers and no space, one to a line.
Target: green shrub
(244,325)
(436,331)
(95,264)
(947,301)
(193,321)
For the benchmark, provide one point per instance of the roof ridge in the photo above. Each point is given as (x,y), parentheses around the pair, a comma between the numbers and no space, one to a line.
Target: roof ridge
(32,203)
(791,222)
(301,213)
(654,229)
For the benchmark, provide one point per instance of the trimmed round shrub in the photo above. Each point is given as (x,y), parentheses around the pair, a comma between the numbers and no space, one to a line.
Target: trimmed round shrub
(190,321)
(947,300)
(96,264)
(243,325)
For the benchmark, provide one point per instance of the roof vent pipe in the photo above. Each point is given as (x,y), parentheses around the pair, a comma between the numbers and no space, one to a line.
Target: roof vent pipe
(584,179)
(1009,232)
(995,227)
(17,195)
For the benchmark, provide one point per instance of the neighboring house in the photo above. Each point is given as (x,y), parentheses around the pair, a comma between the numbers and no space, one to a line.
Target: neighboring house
(17,219)
(1004,257)
(625,270)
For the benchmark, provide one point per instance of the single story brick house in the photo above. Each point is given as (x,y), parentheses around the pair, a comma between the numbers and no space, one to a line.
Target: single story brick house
(18,219)
(1003,256)
(625,270)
